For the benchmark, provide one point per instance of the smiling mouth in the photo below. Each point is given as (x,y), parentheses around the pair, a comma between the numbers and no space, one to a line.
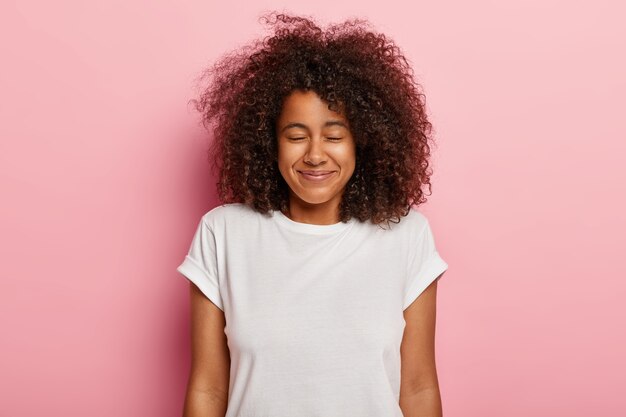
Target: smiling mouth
(316,176)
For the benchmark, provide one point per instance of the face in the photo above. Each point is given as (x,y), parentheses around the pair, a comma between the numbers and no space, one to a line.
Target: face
(316,150)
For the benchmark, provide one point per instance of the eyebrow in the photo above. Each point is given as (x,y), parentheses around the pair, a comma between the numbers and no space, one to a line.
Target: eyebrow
(303,126)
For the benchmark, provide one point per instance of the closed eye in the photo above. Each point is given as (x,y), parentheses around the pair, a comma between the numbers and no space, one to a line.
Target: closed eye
(305,138)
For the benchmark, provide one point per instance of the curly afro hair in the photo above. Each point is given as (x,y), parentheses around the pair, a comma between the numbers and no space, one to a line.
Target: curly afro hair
(354,69)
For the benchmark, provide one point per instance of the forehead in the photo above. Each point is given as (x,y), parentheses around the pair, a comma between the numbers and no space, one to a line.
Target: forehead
(307,106)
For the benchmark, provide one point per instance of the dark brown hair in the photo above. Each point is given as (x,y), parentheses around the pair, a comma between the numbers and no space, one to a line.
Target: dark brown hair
(352,68)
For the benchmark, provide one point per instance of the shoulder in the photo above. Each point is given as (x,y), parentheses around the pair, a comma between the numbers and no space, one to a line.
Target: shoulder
(223,214)
(416,217)
(414,222)
(223,210)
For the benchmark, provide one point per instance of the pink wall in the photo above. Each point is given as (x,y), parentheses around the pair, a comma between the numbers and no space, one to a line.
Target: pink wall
(103,180)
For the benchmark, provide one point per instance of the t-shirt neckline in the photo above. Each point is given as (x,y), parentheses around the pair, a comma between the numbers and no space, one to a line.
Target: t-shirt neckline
(317,229)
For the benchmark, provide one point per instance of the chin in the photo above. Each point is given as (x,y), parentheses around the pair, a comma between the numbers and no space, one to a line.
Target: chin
(315,197)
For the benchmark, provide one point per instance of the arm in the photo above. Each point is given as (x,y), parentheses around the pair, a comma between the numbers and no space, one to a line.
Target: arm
(207,388)
(419,386)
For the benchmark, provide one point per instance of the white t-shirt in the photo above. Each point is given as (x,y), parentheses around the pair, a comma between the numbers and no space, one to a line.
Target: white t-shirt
(314,313)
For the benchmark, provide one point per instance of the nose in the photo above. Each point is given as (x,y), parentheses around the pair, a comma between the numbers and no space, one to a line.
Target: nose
(315,152)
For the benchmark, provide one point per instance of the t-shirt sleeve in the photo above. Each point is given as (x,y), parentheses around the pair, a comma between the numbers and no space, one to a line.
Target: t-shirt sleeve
(200,264)
(425,265)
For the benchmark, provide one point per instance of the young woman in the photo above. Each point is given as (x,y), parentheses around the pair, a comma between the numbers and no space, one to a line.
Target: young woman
(313,286)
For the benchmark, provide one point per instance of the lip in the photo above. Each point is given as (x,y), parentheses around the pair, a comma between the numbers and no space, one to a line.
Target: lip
(316,176)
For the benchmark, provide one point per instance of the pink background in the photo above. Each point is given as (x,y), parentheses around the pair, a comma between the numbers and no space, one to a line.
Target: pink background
(103,179)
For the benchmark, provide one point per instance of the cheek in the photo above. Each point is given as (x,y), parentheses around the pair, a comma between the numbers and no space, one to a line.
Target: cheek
(348,156)
(292,153)
(283,155)
(286,160)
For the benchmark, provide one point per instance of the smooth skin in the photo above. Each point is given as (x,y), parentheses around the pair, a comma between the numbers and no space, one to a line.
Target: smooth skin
(310,137)
(419,386)
(207,387)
